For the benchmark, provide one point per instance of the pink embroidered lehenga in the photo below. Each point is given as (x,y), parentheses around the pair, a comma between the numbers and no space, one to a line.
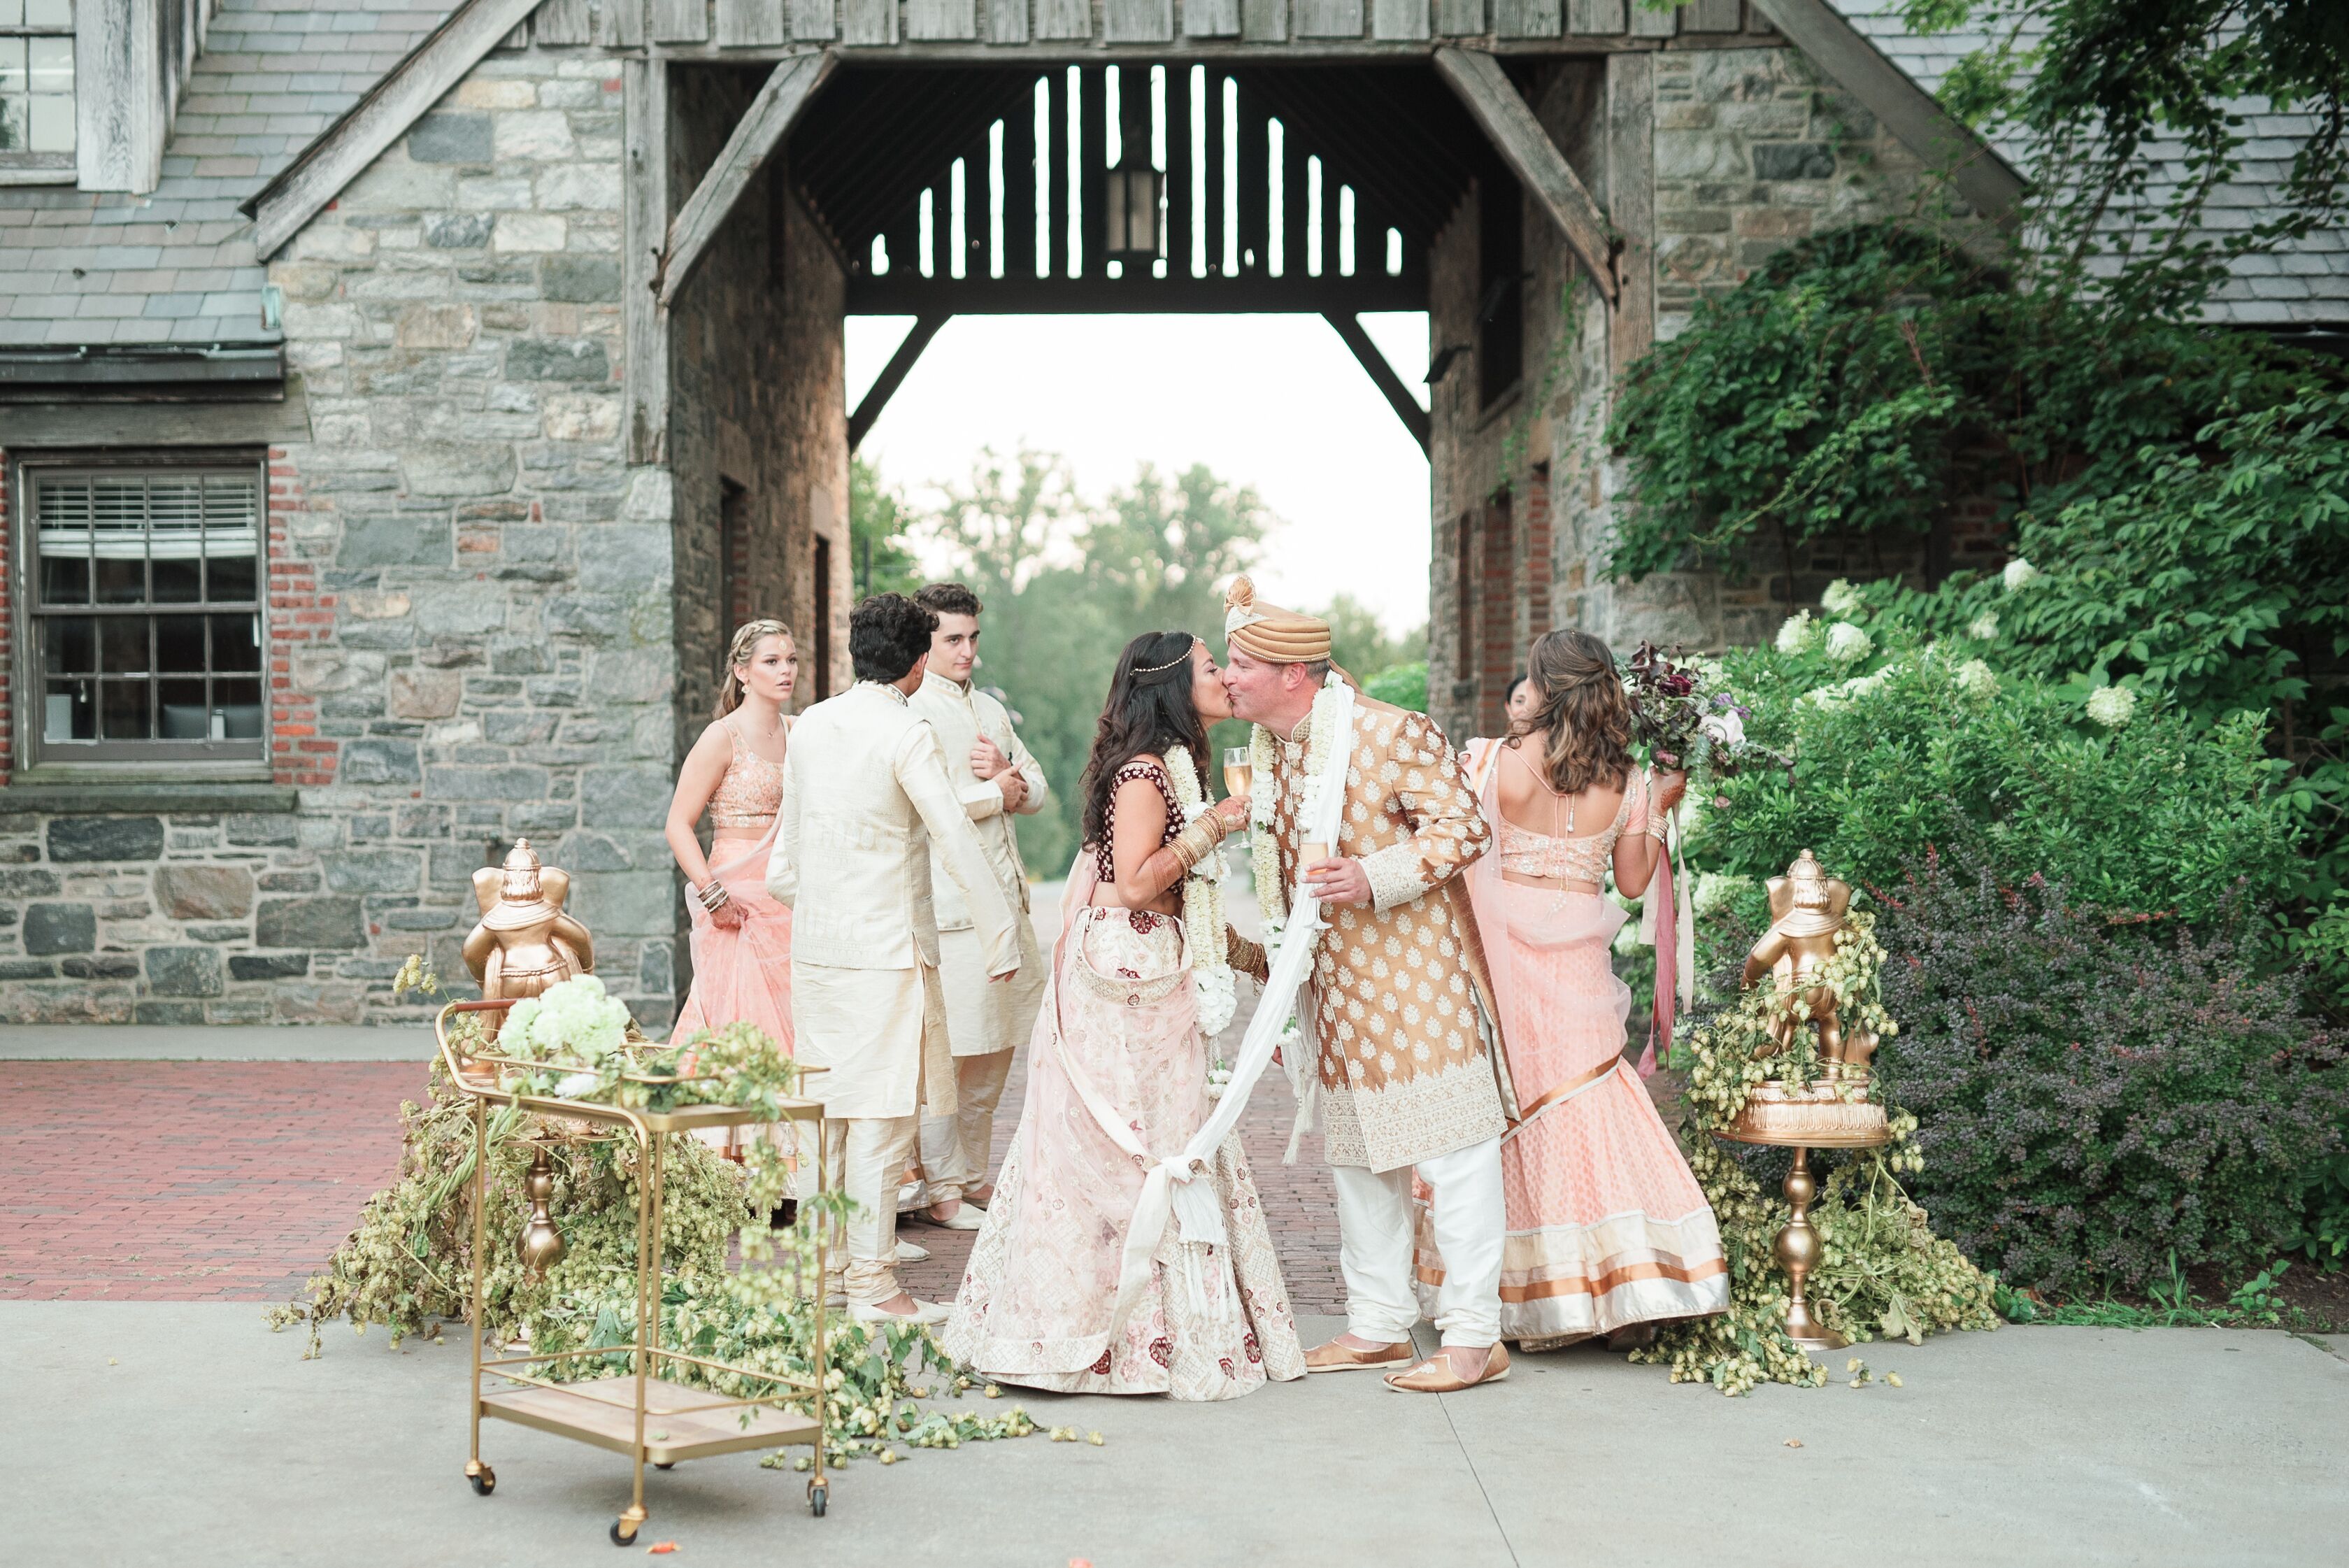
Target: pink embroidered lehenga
(1607,1227)
(1039,1299)
(742,975)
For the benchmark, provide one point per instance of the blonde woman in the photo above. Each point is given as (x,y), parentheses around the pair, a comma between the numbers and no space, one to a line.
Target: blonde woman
(741,936)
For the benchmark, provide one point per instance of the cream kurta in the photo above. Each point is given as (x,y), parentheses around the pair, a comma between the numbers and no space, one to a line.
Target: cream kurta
(865,794)
(983,1019)
(1399,1003)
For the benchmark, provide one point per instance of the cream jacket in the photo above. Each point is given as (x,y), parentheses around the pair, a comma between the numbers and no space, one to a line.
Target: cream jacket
(866,797)
(960,715)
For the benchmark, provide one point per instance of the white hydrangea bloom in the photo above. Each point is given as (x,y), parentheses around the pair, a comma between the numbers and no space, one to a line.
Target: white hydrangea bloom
(1976,680)
(1840,599)
(1797,635)
(2112,706)
(1846,642)
(2020,574)
(1984,628)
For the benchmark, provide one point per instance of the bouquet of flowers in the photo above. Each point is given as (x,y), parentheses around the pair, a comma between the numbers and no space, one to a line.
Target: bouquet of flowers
(572,1041)
(1679,717)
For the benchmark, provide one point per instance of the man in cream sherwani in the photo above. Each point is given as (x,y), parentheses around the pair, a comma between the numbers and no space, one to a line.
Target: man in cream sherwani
(866,797)
(996,779)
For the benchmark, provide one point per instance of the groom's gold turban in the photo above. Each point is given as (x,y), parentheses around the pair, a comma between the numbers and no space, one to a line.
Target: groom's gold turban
(1268,632)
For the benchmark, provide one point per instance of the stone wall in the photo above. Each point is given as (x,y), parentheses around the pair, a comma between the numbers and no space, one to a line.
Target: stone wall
(1752,150)
(483,590)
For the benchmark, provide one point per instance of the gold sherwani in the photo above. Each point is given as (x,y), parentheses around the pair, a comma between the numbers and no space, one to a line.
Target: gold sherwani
(1399,1003)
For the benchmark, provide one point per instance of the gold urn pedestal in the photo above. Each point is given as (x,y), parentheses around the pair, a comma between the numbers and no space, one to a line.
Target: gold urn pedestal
(1826,1115)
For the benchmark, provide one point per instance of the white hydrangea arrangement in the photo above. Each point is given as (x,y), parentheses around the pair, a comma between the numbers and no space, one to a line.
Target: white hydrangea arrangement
(1841,600)
(1976,682)
(1847,643)
(1798,635)
(574,1020)
(2112,706)
(1984,628)
(2019,575)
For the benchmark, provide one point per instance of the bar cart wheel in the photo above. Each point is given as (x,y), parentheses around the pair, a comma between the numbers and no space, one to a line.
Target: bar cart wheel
(659,1465)
(819,1497)
(624,1530)
(484,1480)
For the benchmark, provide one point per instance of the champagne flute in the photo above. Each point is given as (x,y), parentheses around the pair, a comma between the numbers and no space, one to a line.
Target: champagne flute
(1239,770)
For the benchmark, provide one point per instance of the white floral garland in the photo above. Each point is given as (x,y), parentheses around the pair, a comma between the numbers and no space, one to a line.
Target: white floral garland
(1320,731)
(1203,905)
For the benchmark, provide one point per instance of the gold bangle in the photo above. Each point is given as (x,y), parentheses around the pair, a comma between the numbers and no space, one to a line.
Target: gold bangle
(1194,843)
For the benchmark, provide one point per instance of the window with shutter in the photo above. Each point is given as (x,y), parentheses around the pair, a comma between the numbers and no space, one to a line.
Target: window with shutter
(36,90)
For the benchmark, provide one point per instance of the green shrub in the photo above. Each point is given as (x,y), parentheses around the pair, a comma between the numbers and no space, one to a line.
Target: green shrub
(2094,1099)
(1404,685)
(2157,818)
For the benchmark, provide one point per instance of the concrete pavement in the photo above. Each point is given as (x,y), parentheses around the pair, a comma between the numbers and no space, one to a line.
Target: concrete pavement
(187,1434)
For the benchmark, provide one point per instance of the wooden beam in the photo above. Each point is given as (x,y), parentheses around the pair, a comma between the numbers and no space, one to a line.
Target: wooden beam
(644,380)
(1632,198)
(893,375)
(345,149)
(904,292)
(1500,110)
(763,126)
(1382,375)
(1990,185)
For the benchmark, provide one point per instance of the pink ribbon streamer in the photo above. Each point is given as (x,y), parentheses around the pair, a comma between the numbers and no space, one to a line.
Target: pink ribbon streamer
(1668,955)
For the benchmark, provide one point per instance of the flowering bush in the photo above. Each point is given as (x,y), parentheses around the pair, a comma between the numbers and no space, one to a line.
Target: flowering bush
(2093,1098)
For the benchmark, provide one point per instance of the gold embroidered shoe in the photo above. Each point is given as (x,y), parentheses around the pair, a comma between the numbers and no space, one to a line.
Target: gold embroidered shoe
(1336,1357)
(1435,1375)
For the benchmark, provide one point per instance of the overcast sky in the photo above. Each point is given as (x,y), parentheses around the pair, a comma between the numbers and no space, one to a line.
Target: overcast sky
(1275,401)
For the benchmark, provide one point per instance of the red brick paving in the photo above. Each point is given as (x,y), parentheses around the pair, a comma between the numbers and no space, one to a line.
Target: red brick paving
(188,1180)
(234,1180)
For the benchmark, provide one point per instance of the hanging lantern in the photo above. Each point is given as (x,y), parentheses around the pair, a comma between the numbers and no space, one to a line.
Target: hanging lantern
(1136,236)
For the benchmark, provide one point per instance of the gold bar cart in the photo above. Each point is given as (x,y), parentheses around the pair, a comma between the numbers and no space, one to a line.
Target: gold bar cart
(614,1412)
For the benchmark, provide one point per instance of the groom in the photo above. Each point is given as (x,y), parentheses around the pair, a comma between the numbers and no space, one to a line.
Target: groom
(1397,1009)
(865,798)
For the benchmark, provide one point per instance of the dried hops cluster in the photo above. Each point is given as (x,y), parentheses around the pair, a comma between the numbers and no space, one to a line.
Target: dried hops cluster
(1882,1271)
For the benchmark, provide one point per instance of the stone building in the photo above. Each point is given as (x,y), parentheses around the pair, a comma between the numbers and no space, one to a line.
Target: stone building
(399,402)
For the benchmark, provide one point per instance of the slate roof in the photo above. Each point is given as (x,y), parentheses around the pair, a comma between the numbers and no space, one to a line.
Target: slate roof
(177,265)
(2306,283)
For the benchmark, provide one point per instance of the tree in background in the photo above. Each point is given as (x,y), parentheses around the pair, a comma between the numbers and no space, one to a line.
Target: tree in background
(878,519)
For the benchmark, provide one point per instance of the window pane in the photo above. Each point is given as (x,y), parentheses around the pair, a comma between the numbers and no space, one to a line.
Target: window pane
(48,13)
(238,705)
(232,537)
(49,63)
(175,537)
(50,125)
(184,714)
(63,536)
(179,645)
(236,643)
(12,66)
(122,642)
(118,518)
(67,713)
(122,710)
(12,13)
(69,645)
(15,120)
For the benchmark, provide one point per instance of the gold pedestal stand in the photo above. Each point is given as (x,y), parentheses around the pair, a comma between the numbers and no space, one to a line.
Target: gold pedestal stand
(614,1412)
(1803,1120)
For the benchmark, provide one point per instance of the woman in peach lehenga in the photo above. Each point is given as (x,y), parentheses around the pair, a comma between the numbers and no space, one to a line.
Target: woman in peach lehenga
(1608,1231)
(741,936)
(1118,1044)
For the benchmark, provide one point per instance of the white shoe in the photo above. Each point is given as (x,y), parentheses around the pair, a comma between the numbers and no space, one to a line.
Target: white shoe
(913,1195)
(968,1217)
(924,1311)
(911,1252)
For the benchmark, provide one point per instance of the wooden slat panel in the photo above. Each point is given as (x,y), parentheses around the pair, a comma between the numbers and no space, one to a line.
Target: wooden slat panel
(1211,170)
(1329,18)
(751,22)
(1263,21)
(1712,17)
(561,22)
(953,20)
(678,21)
(1211,18)
(1094,193)
(1182,174)
(1632,203)
(1057,118)
(868,21)
(1651,24)
(1137,21)
(1292,201)
(812,21)
(1399,19)
(620,23)
(1256,193)
(1459,18)
(1063,19)
(1007,21)
(1603,18)
(644,114)
(1020,194)
(1526,19)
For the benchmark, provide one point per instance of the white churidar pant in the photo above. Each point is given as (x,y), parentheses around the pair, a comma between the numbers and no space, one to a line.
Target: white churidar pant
(867,1155)
(1375,1254)
(956,1148)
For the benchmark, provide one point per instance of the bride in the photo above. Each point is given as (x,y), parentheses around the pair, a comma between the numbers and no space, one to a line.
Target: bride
(1119,1045)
